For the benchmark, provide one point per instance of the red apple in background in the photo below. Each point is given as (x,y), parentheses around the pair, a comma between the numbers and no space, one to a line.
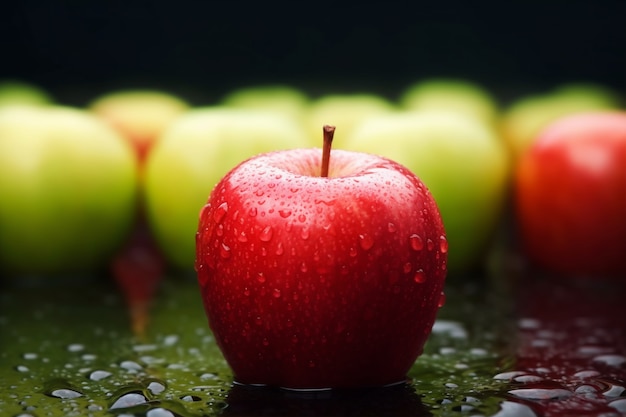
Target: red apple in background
(571,196)
(312,281)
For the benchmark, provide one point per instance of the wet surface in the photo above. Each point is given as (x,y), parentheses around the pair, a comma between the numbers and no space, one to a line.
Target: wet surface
(500,347)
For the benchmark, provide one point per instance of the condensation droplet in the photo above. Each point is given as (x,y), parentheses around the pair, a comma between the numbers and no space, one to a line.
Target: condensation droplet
(430,244)
(260,277)
(302,218)
(391,227)
(252,212)
(420,278)
(442,300)
(279,249)
(353,252)
(284,213)
(225,251)
(220,212)
(366,241)
(304,233)
(407,267)
(266,234)
(276,293)
(443,244)
(242,237)
(416,242)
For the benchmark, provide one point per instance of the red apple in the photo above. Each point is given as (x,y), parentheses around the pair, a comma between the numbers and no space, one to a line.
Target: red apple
(571,196)
(312,281)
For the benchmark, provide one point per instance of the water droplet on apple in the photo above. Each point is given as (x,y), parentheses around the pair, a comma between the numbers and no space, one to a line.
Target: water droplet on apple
(259,193)
(353,252)
(260,277)
(391,227)
(407,267)
(443,244)
(279,249)
(225,251)
(242,237)
(420,277)
(284,213)
(430,244)
(276,293)
(366,241)
(220,212)
(416,242)
(301,218)
(304,233)
(442,300)
(266,234)
(252,212)
(303,267)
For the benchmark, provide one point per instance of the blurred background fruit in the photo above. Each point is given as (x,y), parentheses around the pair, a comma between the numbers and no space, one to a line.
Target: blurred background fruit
(139,115)
(190,158)
(525,118)
(463,163)
(69,186)
(457,95)
(20,92)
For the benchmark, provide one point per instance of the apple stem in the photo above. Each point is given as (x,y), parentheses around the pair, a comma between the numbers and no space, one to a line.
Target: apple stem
(329,133)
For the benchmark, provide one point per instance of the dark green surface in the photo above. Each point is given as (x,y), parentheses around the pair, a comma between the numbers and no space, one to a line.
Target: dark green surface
(54,338)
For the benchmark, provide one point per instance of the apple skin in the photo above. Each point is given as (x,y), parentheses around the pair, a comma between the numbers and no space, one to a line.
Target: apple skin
(190,158)
(570,193)
(68,186)
(139,115)
(312,282)
(464,164)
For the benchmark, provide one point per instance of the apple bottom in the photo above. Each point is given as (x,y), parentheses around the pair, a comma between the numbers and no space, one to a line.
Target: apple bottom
(362,368)
(320,347)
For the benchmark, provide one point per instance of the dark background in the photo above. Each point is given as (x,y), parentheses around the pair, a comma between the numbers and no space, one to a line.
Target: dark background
(78,49)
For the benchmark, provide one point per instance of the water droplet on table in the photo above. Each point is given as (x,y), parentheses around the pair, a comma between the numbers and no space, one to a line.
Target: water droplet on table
(541,393)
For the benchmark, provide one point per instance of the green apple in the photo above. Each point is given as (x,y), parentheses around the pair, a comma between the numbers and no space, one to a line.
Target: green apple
(460,159)
(193,154)
(281,98)
(451,94)
(139,115)
(68,187)
(345,112)
(23,93)
(526,117)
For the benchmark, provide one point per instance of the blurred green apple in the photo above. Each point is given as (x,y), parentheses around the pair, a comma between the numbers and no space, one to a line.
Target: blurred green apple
(463,163)
(457,95)
(14,92)
(284,99)
(345,112)
(68,187)
(193,154)
(527,116)
(139,115)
